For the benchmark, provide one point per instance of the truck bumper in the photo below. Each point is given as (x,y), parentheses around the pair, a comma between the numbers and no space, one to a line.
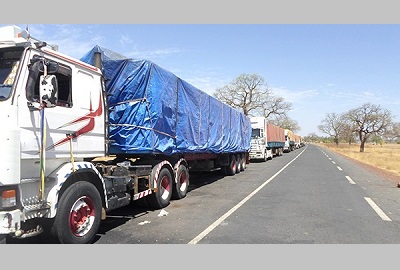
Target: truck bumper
(256,156)
(10,221)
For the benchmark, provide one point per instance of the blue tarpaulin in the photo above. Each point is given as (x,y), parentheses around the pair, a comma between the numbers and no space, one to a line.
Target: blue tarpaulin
(153,111)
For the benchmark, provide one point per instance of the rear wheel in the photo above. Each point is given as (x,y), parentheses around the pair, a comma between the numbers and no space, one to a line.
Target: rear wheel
(161,198)
(238,164)
(78,216)
(243,162)
(182,183)
(231,168)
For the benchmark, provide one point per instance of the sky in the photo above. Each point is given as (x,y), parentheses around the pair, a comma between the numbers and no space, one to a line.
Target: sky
(318,68)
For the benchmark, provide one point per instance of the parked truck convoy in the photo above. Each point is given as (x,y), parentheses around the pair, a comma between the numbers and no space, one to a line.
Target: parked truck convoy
(292,141)
(267,140)
(81,137)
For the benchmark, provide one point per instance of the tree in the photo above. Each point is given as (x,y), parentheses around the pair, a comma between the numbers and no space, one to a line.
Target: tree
(250,93)
(286,123)
(369,119)
(393,134)
(333,125)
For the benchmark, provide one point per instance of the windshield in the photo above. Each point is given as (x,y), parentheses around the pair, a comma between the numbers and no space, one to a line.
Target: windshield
(255,133)
(9,62)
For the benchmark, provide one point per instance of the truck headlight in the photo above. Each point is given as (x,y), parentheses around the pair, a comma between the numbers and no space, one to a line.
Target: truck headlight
(8,198)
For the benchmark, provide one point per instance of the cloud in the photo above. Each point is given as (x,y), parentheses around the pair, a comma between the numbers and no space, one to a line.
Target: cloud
(294,96)
(71,40)
(152,54)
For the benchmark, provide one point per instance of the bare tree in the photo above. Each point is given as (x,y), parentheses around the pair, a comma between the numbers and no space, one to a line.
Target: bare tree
(333,125)
(348,133)
(286,123)
(276,106)
(369,119)
(393,134)
(250,93)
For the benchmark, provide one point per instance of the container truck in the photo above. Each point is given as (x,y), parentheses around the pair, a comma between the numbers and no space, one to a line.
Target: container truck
(267,140)
(298,143)
(81,137)
(289,141)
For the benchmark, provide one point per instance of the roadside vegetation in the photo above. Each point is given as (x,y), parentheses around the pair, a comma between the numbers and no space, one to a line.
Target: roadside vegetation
(367,134)
(383,156)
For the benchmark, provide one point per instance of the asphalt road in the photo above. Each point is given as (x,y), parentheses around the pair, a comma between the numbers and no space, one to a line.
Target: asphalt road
(308,196)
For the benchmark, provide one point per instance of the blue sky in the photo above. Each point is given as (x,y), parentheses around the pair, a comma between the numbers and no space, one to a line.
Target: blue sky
(319,68)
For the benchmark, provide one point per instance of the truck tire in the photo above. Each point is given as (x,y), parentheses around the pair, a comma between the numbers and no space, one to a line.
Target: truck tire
(265,156)
(161,198)
(238,164)
(243,162)
(231,168)
(78,216)
(182,183)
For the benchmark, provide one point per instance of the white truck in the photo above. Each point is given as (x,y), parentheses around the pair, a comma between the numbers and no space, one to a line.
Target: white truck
(83,137)
(289,141)
(267,140)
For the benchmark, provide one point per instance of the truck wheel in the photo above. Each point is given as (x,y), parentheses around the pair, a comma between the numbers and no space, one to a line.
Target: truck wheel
(78,216)
(182,183)
(231,168)
(162,196)
(238,164)
(243,162)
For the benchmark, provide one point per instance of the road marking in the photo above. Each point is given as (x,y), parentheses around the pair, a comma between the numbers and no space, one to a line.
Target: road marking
(377,209)
(230,212)
(350,180)
(340,169)
(333,162)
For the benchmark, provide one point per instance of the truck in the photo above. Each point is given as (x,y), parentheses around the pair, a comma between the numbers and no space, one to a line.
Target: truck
(82,137)
(267,140)
(298,141)
(289,141)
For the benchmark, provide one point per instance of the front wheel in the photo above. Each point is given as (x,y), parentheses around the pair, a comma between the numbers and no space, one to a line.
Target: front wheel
(78,216)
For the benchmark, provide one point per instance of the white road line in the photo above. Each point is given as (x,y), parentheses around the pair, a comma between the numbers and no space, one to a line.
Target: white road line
(377,209)
(230,212)
(340,169)
(350,180)
(333,162)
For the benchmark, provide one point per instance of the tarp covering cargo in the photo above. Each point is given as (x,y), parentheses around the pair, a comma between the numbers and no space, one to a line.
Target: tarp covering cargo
(153,111)
(275,136)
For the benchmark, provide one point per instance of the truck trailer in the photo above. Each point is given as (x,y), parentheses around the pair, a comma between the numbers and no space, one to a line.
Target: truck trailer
(82,137)
(267,140)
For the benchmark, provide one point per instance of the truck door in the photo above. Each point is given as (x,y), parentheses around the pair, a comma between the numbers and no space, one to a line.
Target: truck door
(75,122)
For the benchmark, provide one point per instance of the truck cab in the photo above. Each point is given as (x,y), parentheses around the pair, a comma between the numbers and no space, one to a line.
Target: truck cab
(48,102)
(258,148)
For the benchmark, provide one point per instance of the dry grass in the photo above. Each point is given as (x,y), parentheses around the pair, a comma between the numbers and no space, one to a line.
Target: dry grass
(386,156)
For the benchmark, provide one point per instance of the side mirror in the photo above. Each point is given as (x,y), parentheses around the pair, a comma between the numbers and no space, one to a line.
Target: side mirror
(48,90)
(49,66)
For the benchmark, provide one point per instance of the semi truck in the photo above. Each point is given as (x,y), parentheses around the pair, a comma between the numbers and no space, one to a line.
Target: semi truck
(298,141)
(267,140)
(289,141)
(82,137)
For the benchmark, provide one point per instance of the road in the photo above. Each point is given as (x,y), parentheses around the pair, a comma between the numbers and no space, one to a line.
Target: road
(308,196)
